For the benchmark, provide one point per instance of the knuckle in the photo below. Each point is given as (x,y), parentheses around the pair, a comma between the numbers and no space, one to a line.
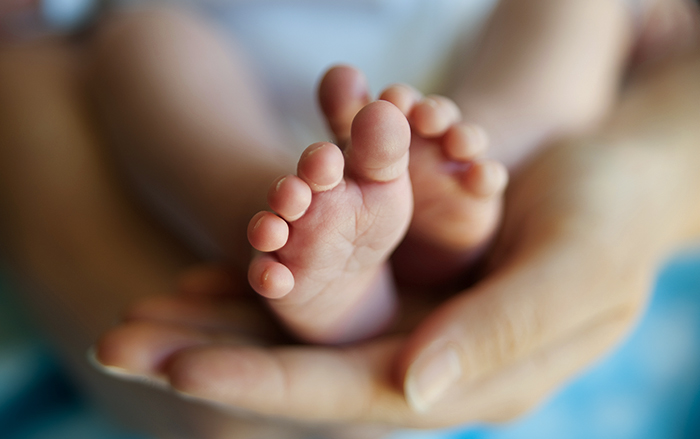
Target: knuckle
(514,332)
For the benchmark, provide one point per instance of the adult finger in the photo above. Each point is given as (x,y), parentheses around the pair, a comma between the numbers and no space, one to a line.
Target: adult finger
(519,387)
(219,314)
(138,350)
(310,383)
(351,384)
(525,308)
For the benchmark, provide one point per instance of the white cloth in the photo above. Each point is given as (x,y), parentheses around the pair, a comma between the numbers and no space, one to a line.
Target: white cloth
(292,42)
(411,41)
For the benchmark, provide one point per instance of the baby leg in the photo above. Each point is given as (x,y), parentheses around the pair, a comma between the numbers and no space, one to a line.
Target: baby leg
(545,68)
(189,123)
(550,68)
(338,220)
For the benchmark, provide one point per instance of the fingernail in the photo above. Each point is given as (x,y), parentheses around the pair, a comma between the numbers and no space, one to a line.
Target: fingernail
(118,372)
(430,376)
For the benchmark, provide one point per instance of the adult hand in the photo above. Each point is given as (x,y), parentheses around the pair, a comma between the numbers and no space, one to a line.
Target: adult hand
(587,223)
(557,301)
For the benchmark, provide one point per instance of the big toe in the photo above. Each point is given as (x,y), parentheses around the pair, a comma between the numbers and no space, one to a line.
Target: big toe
(343,92)
(379,142)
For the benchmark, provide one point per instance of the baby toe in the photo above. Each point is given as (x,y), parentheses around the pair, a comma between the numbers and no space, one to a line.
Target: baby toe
(267,232)
(321,166)
(269,278)
(464,142)
(343,92)
(403,96)
(378,148)
(289,196)
(432,116)
(486,178)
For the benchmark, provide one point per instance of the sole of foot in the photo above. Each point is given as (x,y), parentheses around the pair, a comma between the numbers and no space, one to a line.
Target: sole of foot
(325,249)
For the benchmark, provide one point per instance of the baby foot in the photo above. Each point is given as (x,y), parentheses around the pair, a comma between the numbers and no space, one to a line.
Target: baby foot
(336,223)
(457,193)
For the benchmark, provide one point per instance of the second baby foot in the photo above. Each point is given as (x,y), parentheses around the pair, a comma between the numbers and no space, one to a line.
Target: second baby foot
(337,221)
(457,192)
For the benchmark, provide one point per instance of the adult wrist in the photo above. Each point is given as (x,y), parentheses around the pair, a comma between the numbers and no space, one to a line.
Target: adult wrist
(661,195)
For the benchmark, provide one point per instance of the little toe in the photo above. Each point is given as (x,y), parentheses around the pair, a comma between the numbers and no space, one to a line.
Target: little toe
(486,178)
(267,232)
(289,196)
(269,278)
(403,96)
(343,92)
(464,142)
(321,166)
(434,115)
(378,149)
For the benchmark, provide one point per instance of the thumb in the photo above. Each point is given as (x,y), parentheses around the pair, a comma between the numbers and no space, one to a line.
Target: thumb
(515,313)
